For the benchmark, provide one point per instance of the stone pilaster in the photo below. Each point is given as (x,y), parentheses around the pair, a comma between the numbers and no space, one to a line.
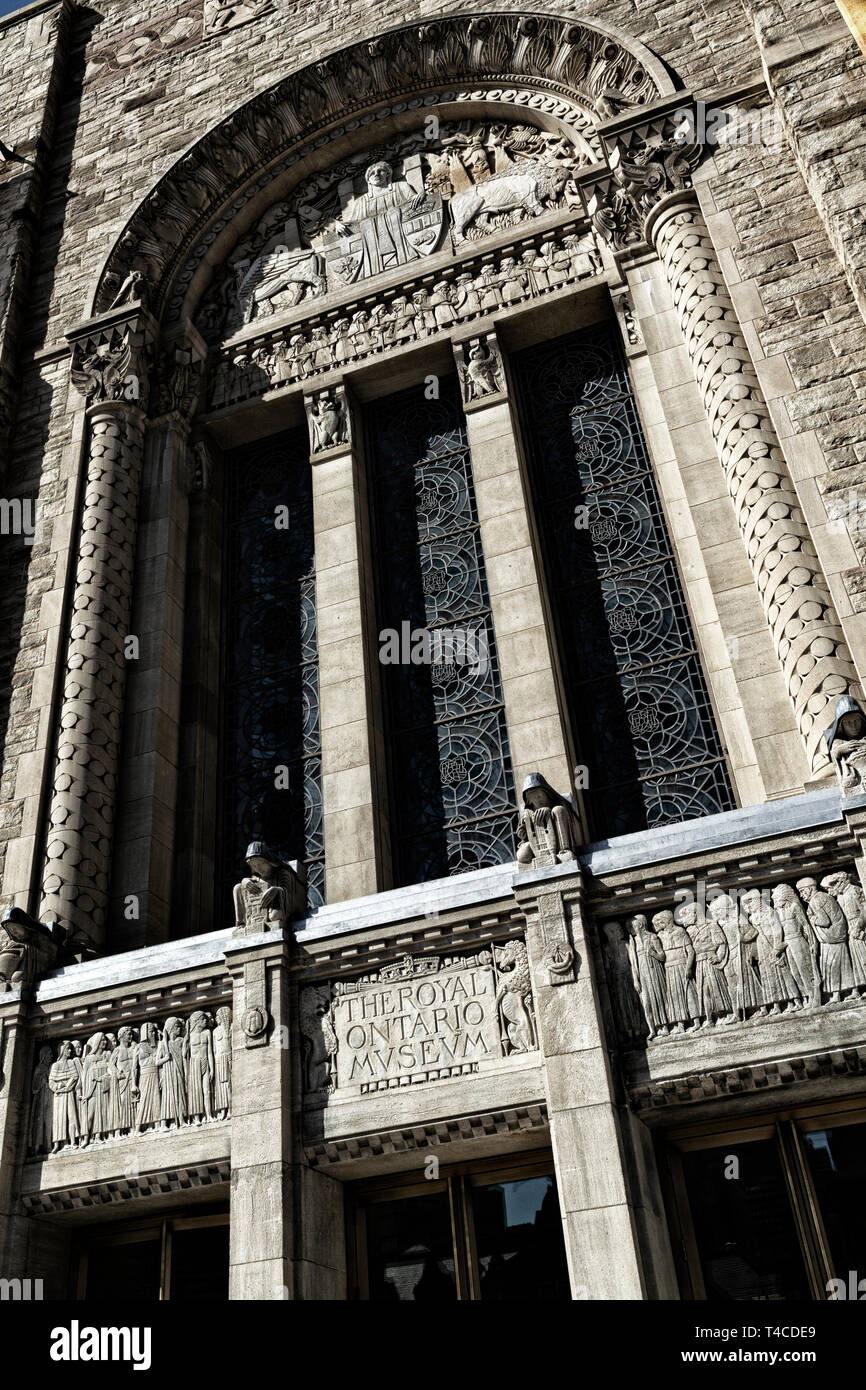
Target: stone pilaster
(286,1219)
(109,370)
(535,724)
(601,1204)
(141,887)
(351,815)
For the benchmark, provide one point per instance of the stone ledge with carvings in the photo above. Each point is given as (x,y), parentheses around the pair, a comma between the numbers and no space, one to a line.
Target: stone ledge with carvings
(739,974)
(507,271)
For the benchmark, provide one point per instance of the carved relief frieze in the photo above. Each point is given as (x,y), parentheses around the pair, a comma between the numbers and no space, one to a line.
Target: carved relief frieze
(743,956)
(392,206)
(90,1092)
(413,312)
(421,1019)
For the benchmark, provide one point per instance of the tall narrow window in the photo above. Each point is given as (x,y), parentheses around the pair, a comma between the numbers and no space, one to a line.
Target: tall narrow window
(638,702)
(452,790)
(271,783)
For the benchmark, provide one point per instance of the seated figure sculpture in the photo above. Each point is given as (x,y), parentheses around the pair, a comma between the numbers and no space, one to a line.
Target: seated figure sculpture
(846,744)
(272,894)
(548,831)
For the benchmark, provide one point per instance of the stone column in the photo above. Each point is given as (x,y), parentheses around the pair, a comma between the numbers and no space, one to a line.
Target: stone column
(806,631)
(109,371)
(144,855)
(647,198)
(536,728)
(604,1219)
(352,817)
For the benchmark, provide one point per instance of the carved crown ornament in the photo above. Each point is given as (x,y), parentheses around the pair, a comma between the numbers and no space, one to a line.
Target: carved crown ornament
(567,77)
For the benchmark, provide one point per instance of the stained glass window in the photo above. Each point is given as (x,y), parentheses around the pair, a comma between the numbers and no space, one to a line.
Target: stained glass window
(452,789)
(638,701)
(271,742)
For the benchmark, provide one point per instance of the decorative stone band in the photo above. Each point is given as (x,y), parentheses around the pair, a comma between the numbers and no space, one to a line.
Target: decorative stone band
(739,957)
(487,283)
(815,1067)
(426,1136)
(806,631)
(109,1087)
(120,1192)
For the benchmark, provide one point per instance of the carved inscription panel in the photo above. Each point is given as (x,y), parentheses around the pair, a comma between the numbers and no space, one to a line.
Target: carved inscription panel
(421,1019)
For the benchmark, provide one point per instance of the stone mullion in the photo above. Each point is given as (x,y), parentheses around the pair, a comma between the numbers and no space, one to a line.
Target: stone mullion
(354,821)
(81,818)
(537,730)
(806,631)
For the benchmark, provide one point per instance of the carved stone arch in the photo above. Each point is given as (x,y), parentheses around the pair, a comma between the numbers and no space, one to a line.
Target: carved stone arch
(547,70)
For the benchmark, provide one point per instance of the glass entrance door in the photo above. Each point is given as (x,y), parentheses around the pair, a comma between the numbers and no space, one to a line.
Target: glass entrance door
(772,1211)
(484,1232)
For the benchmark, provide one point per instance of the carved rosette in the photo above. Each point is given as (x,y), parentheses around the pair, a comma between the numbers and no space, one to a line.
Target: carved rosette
(806,631)
(109,370)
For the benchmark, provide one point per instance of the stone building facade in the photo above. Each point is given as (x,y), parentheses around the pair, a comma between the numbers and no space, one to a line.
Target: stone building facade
(434,623)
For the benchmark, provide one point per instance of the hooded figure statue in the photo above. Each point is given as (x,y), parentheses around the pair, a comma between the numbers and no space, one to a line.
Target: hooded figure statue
(548,829)
(846,744)
(271,895)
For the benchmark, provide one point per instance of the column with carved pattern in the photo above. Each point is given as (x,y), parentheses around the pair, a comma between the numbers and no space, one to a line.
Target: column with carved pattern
(648,198)
(109,371)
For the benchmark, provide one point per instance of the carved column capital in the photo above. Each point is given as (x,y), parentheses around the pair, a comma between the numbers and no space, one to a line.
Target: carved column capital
(648,159)
(110,359)
(329,417)
(481,369)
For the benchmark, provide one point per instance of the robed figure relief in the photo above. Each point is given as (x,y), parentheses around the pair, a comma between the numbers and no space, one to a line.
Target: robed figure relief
(388,225)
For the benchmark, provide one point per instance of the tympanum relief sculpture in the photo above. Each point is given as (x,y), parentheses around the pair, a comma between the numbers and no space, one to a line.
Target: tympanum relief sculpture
(420,1019)
(742,956)
(154,1077)
(391,207)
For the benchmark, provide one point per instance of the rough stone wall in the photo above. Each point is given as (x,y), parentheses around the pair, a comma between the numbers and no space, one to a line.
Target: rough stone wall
(141,83)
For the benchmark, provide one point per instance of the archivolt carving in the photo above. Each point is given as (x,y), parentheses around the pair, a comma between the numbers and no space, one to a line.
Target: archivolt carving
(572,72)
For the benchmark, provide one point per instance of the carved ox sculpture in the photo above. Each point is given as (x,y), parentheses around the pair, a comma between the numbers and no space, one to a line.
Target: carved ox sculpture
(524,189)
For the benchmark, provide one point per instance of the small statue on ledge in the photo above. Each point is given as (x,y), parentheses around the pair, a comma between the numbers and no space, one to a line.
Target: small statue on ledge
(846,744)
(271,896)
(548,830)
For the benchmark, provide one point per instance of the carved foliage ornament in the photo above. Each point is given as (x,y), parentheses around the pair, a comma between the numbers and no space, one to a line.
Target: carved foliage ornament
(575,62)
